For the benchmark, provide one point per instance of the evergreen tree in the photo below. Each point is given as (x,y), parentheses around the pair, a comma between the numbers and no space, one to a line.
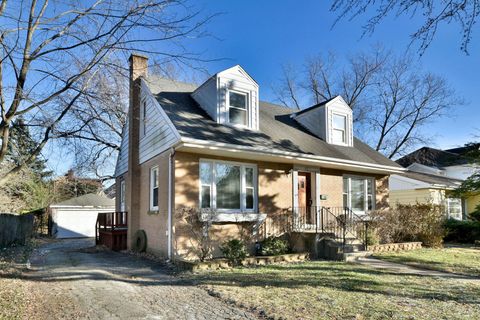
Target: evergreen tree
(22,146)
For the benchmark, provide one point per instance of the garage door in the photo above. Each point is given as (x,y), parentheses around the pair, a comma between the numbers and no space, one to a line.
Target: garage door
(75,223)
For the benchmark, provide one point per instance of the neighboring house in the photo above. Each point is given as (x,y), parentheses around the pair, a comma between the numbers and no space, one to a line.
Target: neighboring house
(76,217)
(432,174)
(238,160)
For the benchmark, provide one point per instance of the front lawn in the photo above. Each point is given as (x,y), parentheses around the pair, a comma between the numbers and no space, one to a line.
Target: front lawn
(336,290)
(456,259)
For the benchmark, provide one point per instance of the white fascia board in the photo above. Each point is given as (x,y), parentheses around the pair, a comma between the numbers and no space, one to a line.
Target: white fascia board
(412,181)
(292,156)
(239,67)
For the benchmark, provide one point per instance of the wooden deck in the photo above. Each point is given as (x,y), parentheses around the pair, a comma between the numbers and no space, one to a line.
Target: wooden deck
(111,230)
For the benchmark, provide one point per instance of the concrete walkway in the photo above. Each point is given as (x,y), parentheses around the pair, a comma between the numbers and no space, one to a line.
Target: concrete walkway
(409,270)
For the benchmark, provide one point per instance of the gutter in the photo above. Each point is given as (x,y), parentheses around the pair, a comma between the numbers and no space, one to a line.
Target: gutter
(170,205)
(194,143)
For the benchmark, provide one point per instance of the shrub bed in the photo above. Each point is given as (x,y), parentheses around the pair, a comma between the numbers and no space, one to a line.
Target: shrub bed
(407,223)
(272,246)
(462,231)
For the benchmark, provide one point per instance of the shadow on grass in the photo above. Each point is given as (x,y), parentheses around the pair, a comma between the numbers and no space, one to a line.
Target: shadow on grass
(113,266)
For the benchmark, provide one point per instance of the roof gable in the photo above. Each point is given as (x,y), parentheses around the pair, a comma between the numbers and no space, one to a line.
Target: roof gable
(432,157)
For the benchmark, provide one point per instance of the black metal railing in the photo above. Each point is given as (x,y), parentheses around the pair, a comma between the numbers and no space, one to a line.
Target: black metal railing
(340,223)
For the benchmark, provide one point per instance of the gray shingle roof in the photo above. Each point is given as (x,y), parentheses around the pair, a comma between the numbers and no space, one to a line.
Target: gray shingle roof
(433,179)
(278,131)
(86,200)
(432,157)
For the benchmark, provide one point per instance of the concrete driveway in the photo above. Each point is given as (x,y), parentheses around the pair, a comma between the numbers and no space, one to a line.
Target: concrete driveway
(77,282)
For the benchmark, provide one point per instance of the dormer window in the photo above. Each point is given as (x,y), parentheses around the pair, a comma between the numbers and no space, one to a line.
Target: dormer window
(330,120)
(238,108)
(339,126)
(230,97)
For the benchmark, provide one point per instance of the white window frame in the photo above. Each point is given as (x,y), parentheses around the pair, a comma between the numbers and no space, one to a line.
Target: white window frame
(345,130)
(247,108)
(153,171)
(122,195)
(448,206)
(349,192)
(243,199)
(143,118)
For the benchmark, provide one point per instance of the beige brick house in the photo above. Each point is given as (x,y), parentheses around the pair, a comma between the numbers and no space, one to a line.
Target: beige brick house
(247,166)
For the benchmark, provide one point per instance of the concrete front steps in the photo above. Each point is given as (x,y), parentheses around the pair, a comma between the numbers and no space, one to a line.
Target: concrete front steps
(330,249)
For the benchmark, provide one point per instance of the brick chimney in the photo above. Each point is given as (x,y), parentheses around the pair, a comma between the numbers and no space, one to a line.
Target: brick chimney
(138,66)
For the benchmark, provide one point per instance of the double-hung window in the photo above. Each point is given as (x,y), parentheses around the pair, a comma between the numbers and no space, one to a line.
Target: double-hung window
(358,193)
(238,108)
(339,128)
(228,186)
(454,208)
(154,188)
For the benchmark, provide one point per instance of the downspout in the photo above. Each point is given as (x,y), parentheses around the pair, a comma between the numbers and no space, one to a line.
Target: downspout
(170,193)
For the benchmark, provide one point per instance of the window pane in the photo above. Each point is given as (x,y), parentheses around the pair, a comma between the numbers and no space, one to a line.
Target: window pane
(238,116)
(345,185)
(205,196)
(358,194)
(238,100)
(339,122)
(345,200)
(155,198)
(155,178)
(338,136)
(249,177)
(205,172)
(454,207)
(370,202)
(249,198)
(228,186)
(369,186)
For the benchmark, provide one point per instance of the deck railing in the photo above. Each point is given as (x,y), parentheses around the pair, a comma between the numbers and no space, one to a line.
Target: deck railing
(110,221)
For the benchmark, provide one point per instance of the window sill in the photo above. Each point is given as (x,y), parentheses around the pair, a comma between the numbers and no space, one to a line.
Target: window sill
(233,217)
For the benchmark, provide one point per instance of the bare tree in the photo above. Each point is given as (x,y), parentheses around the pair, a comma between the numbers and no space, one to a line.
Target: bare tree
(52,51)
(463,13)
(392,98)
(93,130)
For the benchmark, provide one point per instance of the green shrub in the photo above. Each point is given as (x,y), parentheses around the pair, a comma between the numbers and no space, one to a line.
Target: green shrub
(462,231)
(272,246)
(235,251)
(372,236)
(418,222)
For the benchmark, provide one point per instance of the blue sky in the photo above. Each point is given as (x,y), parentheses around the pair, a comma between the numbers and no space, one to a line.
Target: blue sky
(263,35)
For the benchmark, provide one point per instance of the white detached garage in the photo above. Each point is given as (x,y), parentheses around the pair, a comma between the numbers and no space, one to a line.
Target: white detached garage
(76,217)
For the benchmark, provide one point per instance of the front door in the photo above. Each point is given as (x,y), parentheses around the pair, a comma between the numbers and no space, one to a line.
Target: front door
(305,197)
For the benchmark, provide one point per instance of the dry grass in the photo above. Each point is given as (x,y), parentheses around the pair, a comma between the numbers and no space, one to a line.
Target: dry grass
(459,259)
(13,290)
(334,290)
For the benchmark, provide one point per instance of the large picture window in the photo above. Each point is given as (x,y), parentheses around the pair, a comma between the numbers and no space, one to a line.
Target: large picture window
(358,193)
(154,188)
(238,108)
(228,186)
